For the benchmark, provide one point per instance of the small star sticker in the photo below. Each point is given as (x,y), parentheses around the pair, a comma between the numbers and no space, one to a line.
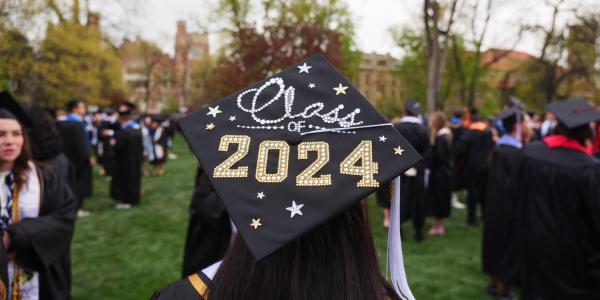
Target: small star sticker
(304,68)
(210,126)
(398,150)
(255,223)
(340,89)
(382,138)
(232,118)
(260,195)
(311,85)
(295,209)
(213,111)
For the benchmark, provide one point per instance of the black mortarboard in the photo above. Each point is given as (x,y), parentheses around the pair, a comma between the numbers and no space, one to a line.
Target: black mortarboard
(508,114)
(514,102)
(126,108)
(412,107)
(12,107)
(290,152)
(574,113)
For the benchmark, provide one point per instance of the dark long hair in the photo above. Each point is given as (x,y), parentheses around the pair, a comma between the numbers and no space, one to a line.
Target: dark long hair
(581,134)
(46,142)
(336,260)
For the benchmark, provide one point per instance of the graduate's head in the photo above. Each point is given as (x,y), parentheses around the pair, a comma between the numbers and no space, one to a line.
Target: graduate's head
(14,148)
(582,134)
(291,172)
(335,260)
(125,111)
(76,106)
(46,141)
(412,108)
(575,119)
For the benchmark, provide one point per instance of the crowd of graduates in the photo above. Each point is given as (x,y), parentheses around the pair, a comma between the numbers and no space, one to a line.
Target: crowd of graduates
(47,159)
(532,217)
(534,179)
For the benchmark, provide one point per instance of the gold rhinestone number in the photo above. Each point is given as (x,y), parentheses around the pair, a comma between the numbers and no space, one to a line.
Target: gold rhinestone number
(224,169)
(282,161)
(306,177)
(367,168)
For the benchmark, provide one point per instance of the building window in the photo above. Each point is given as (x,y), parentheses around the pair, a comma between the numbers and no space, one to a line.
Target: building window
(195,53)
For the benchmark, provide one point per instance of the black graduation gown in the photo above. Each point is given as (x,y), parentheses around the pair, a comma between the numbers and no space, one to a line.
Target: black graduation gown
(107,158)
(475,146)
(43,243)
(440,179)
(499,209)
(459,178)
(209,228)
(557,224)
(412,189)
(184,289)
(159,144)
(78,150)
(127,176)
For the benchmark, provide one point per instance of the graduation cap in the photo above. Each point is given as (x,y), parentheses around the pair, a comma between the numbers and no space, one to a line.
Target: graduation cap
(11,109)
(514,102)
(574,113)
(292,151)
(412,107)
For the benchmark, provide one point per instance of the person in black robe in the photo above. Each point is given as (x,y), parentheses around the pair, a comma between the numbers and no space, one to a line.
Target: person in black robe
(209,227)
(475,145)
(160,150)
(441,166)
(556,221)
(37,244)
(126,182)
(499,203)
(76,147)
(412,189)
(106,130)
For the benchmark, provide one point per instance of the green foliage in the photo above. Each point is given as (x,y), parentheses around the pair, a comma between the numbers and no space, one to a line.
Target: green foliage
(288,32)
(129,254)
(413,65)
(16,61)
(76,62)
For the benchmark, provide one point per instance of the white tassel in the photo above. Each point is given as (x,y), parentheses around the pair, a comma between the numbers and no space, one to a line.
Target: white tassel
(395,258)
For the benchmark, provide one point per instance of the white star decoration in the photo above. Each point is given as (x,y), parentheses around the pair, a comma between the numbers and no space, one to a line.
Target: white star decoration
(295,209)
(398,150)
(382,138)
(340,89)
(304,68)
(255,223)
(311,85)
(232,118)
(213,111)
(260,195)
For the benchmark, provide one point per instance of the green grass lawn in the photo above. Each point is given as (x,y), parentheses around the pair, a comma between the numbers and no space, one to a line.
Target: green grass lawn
(130,254)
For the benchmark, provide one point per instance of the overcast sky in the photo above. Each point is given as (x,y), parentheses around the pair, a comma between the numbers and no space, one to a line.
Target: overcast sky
(156,20)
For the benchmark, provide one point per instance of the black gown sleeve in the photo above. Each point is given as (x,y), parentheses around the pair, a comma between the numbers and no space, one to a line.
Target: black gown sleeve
(185,290)
(39,242)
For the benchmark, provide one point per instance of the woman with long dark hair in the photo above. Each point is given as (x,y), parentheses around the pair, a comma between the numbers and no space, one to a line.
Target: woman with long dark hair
(37,213)
(441,166)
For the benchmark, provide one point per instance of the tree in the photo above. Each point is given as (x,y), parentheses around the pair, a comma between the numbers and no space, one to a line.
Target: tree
(75,62)
(438,29)
(291,30)
(567,63)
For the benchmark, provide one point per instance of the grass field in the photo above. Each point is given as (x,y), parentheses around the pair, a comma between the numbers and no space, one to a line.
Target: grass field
(130,254)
